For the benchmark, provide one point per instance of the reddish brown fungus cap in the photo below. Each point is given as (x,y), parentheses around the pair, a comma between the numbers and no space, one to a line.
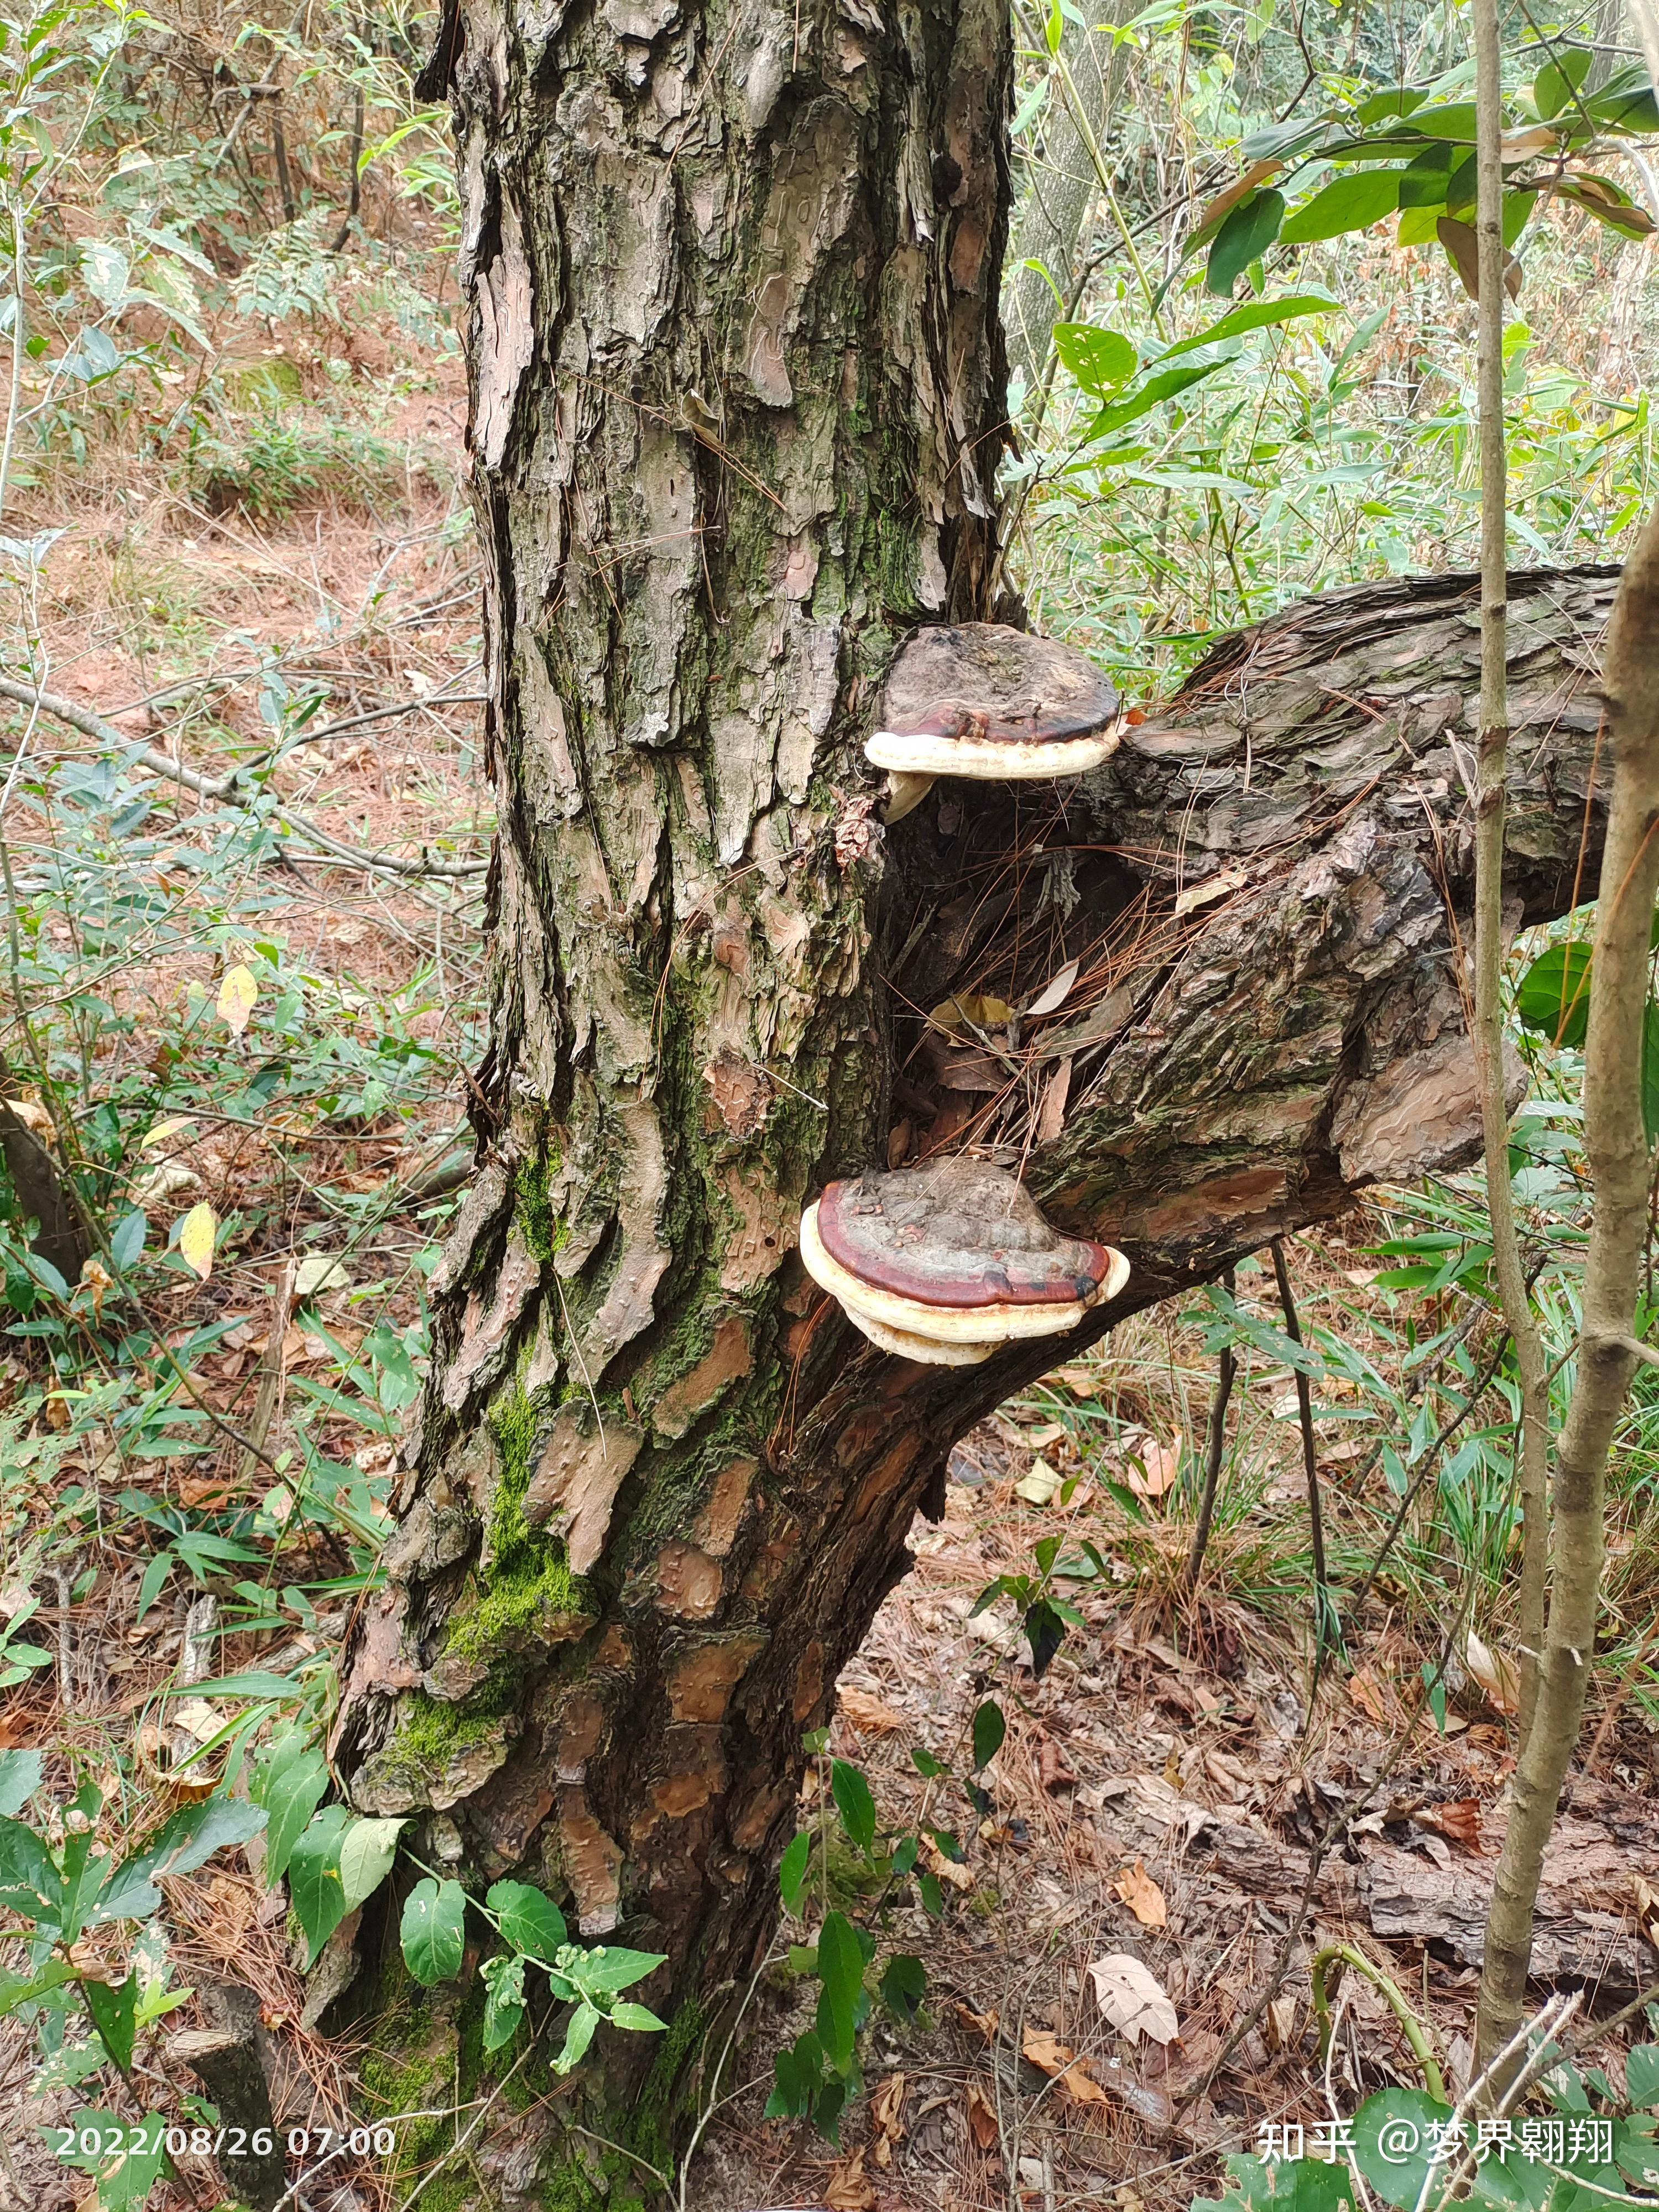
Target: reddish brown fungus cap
(958,1233)
(985,682)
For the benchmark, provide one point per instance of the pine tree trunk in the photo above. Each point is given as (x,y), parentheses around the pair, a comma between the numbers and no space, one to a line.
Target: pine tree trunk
(736,406)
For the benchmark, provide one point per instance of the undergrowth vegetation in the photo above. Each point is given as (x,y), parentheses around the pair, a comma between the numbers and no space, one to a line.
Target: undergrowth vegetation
(242,987)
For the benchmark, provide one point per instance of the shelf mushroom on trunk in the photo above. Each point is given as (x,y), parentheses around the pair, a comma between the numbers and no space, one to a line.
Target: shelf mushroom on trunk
(983,700)
(948,1262)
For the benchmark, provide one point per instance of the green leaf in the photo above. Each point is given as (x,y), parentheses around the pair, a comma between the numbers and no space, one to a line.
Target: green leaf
(1455,121)
(185,1842)
(160,1567)
(854,1802)
(1350,204)
(932,1896)
(503,1979)
(1560,79)
(529,1921)
(638,2017)
(126,2175)
(602,1971)
(990,1727)
(20,1777)
(113,2011)
(433,1930)
(314,1877)
(366,1850)
(1258,315)
(841,1968)
(290,1783)
(1248,233)
(1626,103)
(1552,997)
(577,2037)
(29,1883)
(1650,1070)
(903,1986)
(1100,361)
(924,1763)
(791,1870)
(1642,2075)
(1164,384)
(1392,2144)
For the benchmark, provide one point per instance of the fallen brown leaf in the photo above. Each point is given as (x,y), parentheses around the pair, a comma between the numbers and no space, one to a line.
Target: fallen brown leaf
(847,2188)
(1497,1674)
(1367,1694)
(1062,2063)
(1153,1469)
(981,2023)
(1133,1886)
(947,1870)
(1458,1821)
(1132,1999)
(887,2117)
(1052,1772)
(867,1714)
(982,2119)
(1281,2023)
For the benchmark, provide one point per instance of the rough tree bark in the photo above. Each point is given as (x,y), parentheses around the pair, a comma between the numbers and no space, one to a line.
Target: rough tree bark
(737,404)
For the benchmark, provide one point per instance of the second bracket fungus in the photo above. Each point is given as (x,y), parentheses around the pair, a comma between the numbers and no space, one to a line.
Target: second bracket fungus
(983,700)
(948,1262)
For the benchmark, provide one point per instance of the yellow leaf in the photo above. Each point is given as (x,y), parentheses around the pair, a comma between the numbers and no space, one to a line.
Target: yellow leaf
(955,1015)
(237,995)
(172,1127)
(200,1227)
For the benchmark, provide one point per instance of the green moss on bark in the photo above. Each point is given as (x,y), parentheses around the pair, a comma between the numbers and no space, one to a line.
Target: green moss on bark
(524,1588)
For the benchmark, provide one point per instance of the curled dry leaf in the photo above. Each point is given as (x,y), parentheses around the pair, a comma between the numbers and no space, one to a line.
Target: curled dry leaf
(1212,888)
(1647,1909)
(1062,2063)
(1497,1674)
(847,2188)
(982,2119)
(1152,1470)
(1052,1772)
(1053,992)
(1458,1821)
(1038,1483)
(887,2119)
(867,1714)
(981,2023)
(1368,1695)
(948,1871)
(1132,1999)
(1136,1888)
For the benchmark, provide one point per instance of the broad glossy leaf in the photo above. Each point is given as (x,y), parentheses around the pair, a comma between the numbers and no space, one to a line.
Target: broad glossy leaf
(1642,2075)
(1244,237)
(529,1921)
(1426,177)
(989,1728)
(841,1969)
(113,2011)
(185,1842)
(791,1870)
(290,1783)
(20,1777)
(1552,997)
(1392,2143)
(1100,361)
(637,2017)
(1560,79)
(125,2176)
(1348,204)
(1256,315)
(854,1802)
(607,1968)
(314,1877)
(433,1930)
(1456,121)
(29,1883)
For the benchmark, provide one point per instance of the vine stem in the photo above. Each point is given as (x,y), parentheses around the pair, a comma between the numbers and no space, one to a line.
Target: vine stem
(1414,2031)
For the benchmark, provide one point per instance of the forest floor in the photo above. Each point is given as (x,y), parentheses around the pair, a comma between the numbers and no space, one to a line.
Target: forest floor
(1163,1788)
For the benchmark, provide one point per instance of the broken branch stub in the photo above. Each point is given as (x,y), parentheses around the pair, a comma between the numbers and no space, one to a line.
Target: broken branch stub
(945,1263)
(983,700)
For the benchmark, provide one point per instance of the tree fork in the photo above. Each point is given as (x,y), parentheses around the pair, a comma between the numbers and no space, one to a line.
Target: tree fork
(737,404)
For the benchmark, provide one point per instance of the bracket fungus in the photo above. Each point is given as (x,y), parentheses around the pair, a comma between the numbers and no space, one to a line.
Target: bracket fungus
(983,700)
(949,1261)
